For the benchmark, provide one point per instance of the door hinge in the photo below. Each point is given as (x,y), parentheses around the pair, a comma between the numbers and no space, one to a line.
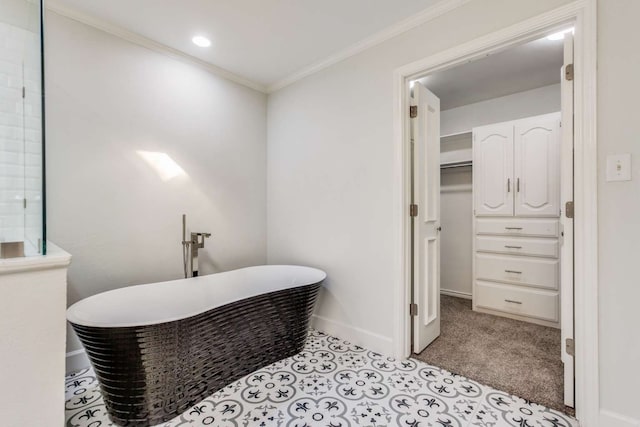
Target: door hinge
(570,347)
(413,111)
(24,203)
(568,72)
(413,309)
(413,210)
(24,92)
(568,209)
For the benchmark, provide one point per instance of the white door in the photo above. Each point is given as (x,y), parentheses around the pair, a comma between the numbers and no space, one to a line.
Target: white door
(536,168)
(426,240)
(493,170)
(566,249)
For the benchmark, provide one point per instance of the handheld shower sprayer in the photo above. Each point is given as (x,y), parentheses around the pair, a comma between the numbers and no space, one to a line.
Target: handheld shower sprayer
(185,244)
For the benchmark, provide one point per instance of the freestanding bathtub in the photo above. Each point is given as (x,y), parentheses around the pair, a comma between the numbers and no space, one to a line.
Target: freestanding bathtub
(159,348)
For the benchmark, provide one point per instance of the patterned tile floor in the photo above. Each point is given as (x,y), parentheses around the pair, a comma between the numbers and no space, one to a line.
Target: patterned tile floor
(333,383)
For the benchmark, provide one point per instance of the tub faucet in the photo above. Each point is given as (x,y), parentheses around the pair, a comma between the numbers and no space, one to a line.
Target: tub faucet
(197,242)
(190,248)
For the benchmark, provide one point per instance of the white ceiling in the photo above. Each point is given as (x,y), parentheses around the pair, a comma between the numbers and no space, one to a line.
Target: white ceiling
(264,41)
(517,69)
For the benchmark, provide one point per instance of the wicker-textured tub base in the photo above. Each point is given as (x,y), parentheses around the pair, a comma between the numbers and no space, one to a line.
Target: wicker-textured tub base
(150,374)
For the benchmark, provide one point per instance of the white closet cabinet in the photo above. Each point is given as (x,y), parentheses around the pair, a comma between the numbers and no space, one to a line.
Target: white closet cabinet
(519,173)
(493,149)
(536,166)
(516,186)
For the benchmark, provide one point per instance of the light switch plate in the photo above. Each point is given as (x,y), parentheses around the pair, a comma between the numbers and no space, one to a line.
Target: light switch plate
(618,167)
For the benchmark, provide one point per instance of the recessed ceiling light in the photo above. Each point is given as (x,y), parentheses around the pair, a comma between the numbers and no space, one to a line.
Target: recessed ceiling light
(201,41)
(560,34)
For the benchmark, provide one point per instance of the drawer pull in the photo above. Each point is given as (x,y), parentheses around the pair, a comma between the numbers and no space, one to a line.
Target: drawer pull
(513,228)
(513,271)
(513,302)
(512,247)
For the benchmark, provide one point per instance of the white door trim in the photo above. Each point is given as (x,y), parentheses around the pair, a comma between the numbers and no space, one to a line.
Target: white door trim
(583,14)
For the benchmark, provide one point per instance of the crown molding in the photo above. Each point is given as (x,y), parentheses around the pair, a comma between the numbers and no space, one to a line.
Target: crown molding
(132,37)
(418,19)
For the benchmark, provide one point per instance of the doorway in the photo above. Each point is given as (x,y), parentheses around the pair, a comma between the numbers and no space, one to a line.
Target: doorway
(585,174)
(585,253)
(487,164)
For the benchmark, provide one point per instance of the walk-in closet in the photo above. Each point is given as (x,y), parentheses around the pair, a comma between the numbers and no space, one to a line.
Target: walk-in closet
(500,232)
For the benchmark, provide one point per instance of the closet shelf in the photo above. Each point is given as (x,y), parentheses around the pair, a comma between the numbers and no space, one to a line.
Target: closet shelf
(456,150)
(456,135)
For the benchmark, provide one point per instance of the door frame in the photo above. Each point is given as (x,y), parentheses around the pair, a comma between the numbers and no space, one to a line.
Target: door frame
(582,13)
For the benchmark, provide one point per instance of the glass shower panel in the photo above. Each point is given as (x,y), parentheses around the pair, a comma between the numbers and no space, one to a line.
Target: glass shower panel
(21,129)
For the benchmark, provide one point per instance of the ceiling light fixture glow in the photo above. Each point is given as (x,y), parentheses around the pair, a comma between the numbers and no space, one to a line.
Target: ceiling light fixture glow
(201,41)
(560,34)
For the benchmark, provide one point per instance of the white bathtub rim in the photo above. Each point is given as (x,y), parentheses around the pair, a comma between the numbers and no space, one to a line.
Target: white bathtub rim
(101,310)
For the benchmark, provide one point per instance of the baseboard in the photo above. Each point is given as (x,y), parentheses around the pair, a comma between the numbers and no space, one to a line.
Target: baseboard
(456,294)
(611,419)
(76,361)
(361,337)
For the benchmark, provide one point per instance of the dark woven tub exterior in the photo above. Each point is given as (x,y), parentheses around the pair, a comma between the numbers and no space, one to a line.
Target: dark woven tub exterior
(151,374)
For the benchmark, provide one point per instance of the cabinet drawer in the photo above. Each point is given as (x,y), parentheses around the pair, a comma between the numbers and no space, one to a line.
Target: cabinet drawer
(518,227)
(528,302)
(529,271)
(518,245)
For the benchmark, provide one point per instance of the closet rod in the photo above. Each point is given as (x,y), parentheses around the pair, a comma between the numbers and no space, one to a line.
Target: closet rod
(456,165)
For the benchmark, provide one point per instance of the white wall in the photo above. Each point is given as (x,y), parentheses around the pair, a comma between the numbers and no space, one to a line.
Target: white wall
(21,13)
(107,99)
(619,211)
(456,238)
(330,167)
(330,171)
(516,106)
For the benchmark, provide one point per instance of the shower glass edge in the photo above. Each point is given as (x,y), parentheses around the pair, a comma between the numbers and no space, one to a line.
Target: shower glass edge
(22,129)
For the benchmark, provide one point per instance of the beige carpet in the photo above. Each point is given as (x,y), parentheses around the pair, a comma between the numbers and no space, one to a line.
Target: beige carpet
(516,357)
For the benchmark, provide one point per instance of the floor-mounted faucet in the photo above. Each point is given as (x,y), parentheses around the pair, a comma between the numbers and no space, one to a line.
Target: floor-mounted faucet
(190,248)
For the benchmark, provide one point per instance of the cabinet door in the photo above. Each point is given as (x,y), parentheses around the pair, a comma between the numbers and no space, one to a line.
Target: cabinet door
(537,166)
(493,170)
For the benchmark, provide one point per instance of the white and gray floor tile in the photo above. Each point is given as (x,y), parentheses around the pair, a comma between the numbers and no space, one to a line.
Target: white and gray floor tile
(333,383)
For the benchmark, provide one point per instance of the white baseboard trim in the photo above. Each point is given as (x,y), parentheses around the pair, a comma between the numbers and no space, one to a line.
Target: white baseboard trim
(611,419)
(358,336)
(457,294)
(76,361)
